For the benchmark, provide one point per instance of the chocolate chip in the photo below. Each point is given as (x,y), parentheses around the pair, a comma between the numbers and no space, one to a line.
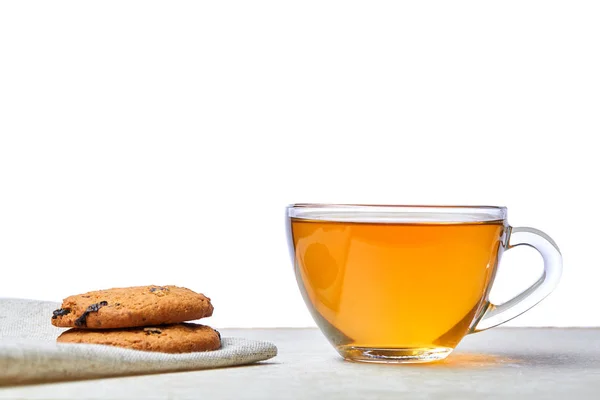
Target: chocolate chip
(218,333)
(150,331)
(60,312)
(81,321)
(154,289)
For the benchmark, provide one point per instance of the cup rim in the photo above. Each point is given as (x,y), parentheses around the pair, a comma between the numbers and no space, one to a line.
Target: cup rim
(396,206)
(396,213)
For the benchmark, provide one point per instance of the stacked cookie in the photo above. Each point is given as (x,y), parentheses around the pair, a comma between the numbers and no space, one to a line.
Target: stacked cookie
(149,318)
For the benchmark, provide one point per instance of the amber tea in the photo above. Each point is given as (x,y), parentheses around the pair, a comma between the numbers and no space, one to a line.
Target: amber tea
(415,287)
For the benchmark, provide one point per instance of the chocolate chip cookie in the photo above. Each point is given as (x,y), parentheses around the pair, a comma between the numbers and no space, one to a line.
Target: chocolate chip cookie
(132,307)
(177,338)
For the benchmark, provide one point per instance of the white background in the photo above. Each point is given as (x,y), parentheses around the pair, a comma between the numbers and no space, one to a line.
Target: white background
(159,142)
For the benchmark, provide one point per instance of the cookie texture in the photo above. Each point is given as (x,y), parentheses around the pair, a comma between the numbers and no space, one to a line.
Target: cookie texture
(176,338)
(132,307)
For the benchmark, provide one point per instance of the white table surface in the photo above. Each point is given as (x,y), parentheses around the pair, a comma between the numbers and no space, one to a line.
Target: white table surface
(500,363)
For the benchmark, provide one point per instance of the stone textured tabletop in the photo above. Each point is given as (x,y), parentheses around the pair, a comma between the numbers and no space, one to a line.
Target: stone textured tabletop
(497,364)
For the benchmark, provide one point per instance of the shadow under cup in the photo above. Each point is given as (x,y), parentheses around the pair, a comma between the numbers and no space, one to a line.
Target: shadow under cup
(396,283)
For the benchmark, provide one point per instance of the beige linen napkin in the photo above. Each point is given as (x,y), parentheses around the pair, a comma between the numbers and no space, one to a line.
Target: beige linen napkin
(29,352)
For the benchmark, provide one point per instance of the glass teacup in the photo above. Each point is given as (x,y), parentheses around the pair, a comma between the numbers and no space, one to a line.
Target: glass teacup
(407,283)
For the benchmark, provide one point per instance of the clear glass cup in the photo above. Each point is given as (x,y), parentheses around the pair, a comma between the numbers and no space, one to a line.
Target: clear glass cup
(395,284)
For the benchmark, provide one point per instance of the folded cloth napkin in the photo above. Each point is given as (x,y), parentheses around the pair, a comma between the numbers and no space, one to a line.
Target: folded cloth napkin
(29,352)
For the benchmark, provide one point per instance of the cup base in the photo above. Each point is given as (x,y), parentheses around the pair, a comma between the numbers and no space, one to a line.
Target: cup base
(394,355)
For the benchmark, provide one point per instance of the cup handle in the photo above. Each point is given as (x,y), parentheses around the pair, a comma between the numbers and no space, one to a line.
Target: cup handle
(499,314)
